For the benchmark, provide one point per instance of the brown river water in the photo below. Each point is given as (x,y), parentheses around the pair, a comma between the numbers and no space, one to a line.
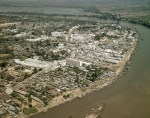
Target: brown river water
(128,97)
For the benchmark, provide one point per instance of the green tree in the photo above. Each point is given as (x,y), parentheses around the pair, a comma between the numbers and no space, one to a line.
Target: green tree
(77,80)
(94,75)
(97,37)
(40,69)
(26,76)
(34,71)
(2,76)
(30,99)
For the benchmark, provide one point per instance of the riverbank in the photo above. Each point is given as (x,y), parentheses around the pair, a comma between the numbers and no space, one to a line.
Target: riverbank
(94,86)
(73,94)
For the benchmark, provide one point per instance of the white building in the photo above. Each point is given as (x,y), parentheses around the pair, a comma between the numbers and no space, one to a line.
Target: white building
(40,64)
(77,63)
(22,34)
(60,45)
(42,38)
(9,90)
(57,34)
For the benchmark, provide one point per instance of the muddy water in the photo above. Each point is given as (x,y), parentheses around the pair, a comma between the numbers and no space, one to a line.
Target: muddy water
(129,97)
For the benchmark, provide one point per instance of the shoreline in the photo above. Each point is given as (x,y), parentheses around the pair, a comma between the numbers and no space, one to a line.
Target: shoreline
(93,86)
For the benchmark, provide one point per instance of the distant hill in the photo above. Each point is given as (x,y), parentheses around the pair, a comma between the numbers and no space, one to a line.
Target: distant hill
(68,2)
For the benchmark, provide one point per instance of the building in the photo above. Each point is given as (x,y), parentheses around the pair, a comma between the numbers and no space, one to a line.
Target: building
(42,38)
(77,63)
(36,99)
(20,92)
(52,92)
(9,90)
(22,34)
(4,96)
(60,45)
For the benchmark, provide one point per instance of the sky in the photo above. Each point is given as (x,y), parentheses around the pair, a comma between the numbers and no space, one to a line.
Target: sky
(81,0)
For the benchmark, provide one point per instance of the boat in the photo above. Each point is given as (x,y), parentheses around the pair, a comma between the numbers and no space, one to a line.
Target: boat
(45,111)
(79,96)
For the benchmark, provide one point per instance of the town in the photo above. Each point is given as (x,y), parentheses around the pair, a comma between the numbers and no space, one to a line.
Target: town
(44,58)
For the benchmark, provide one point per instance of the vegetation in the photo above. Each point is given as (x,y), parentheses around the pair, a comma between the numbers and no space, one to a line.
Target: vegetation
(136,21)
(34,71)
(3,59)
(17,96)
(66,96)
(27,76)
(30,110)
(76,69)
(97,37)
(45,100)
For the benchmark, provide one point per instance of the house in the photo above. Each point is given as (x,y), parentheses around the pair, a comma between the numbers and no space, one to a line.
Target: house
(20,92)
(52,92)
(36,99)
(11,69)
(9,100)
(1,105)
(27,69)
(9,90)
(2,112)
(4,96)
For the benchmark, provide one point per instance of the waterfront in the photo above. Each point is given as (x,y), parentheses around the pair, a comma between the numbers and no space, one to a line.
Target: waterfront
(126,98)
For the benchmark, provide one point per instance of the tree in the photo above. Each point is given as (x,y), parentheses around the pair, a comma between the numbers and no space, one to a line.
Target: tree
(26,76)
(59,69)
(94,75)
(34,71)
(45,102)
(76,69)
(15,95)
(2,76)
(30,105)
(77,80)
(65,96)
(20,98)
(30,99)
(63,52)
(4,64)
(40,69)
(93,79)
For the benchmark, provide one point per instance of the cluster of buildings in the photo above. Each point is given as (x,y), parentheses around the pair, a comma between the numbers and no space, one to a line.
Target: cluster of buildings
(86,54)
(54,82)
(83,50)
(9,105)
(105,51)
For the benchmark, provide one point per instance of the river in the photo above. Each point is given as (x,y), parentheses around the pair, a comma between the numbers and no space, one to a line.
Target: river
(129,97)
